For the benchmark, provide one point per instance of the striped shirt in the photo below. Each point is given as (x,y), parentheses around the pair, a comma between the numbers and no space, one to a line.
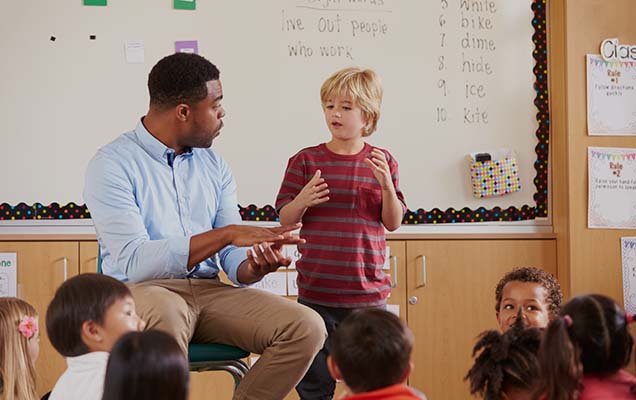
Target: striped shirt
(341,263)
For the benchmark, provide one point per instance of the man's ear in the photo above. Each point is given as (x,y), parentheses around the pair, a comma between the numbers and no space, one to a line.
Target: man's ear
(333,369)
(182,112)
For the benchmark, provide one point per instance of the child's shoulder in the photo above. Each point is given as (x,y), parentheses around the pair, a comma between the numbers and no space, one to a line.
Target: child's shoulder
(309,151)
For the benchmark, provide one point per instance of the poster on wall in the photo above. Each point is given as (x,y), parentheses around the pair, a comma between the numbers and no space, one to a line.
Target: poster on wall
(611,97)
(628,255)
(8,275)
(612,188)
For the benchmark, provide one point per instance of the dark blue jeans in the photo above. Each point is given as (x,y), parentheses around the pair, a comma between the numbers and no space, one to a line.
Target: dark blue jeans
(317,384)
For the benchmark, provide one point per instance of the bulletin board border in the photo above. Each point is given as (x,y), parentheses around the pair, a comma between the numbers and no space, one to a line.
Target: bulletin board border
(56,211)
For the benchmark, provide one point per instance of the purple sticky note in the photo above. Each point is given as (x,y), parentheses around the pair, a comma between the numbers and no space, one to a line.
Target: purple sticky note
(186,46)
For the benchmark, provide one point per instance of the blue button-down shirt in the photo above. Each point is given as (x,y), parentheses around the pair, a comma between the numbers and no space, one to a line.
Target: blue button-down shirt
(146,204)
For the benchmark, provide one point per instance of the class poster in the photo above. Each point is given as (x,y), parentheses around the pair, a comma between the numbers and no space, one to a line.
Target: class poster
(611,97)
(628,255)
(8,274)
(612,188)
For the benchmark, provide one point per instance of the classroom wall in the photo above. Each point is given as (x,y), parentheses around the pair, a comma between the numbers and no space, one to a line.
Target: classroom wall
(589,259)
(66,94)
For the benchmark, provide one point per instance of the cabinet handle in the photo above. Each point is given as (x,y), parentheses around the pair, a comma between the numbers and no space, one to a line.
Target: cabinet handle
(395,272)
(423,267)
(65,262)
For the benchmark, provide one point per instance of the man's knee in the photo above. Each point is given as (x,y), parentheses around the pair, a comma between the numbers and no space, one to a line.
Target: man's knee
(310,329)
(164,310)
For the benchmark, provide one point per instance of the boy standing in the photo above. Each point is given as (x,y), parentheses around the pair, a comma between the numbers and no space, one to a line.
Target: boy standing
(345,192)
(88,314)
(371,352)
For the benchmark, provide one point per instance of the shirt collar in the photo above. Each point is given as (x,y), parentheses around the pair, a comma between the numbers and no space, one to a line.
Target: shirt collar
(154,147)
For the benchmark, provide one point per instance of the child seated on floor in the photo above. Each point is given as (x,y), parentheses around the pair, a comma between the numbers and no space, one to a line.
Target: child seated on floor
(533,291)
(88,314)
(371,353)
(507,367)
(19,348)
(147,366)
(584,352)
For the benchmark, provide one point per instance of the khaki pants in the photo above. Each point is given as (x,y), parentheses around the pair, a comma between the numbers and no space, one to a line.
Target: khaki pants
(287,335)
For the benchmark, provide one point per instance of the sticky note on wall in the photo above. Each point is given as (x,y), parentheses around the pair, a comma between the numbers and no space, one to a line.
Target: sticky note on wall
(94,2)
(186,46)
(185,4)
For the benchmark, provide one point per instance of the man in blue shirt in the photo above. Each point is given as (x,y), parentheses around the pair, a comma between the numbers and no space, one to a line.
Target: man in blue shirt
(165,211)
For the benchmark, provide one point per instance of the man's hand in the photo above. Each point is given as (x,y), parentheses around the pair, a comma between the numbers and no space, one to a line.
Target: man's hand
(266,257)
(245,235)
(262,259)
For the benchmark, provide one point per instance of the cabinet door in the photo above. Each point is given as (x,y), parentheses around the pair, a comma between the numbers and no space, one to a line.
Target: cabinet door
(451,291)
(42,267)
(88,257)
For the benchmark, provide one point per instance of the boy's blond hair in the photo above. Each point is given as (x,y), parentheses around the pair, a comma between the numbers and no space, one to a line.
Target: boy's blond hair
(17,373)
(364,88)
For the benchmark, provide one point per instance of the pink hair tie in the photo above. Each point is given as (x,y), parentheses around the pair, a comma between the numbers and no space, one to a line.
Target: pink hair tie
(629,318)
(28,327)
(568,320)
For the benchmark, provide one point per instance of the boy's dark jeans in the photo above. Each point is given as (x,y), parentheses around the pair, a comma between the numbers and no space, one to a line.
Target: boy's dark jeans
(317,384)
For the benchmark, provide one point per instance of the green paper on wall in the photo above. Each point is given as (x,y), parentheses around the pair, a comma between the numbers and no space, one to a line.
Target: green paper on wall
(185,4)
(95,2)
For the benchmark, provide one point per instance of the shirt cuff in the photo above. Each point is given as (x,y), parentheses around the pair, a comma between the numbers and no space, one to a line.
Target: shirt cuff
(231,262)
(179,248)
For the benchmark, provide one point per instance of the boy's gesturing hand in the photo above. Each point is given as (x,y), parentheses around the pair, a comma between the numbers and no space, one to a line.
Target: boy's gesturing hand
(380,168)
(315,192)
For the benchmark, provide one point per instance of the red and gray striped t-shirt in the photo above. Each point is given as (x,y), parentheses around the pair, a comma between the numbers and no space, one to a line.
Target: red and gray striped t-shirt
(341,263)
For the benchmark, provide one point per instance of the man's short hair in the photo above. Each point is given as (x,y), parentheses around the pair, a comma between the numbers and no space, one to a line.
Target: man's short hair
(554,295)
(180,78)
(85,297)
(372,349)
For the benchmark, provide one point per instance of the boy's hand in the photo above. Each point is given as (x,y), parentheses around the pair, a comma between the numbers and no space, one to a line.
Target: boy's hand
(315,192)
(380,168)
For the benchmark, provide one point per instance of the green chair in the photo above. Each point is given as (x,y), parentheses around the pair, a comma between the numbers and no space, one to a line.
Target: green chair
(210,356)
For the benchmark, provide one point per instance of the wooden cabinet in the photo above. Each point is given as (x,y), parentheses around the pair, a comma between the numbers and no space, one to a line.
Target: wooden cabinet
(88,257)
(451,294)
(42,267)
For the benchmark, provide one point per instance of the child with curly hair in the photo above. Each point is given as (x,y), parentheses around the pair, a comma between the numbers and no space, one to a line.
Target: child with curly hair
(507,366)
(534,292)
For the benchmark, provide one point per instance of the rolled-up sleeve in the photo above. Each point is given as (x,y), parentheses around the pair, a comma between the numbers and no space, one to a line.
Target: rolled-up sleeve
(108,193)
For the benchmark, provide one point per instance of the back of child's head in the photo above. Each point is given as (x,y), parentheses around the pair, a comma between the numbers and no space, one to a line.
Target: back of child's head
(18,325)
(372,349)
(146,366)
(507,362)
(85,297)
(364,88)
(533,275)
(590,337)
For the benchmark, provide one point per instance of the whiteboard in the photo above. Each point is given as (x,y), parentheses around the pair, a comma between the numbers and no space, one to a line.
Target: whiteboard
(460,76)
